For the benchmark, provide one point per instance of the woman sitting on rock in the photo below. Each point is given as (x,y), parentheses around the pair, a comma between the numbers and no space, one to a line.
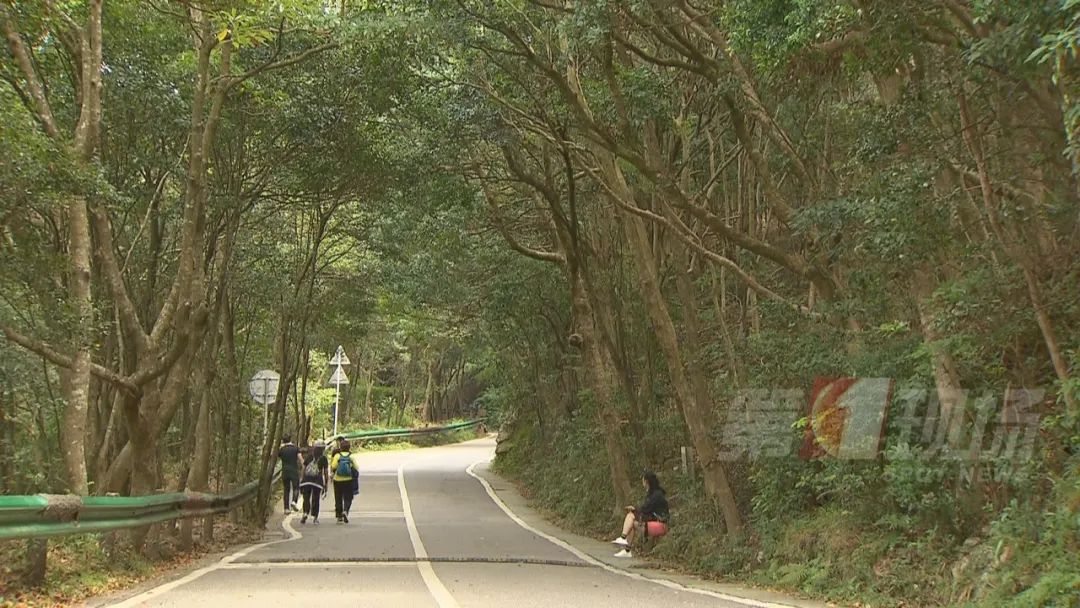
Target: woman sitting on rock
(649,518)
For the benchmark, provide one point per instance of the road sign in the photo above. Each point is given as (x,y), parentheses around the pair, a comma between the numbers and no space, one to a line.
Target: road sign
(263,386)
(340,358)
(339,377)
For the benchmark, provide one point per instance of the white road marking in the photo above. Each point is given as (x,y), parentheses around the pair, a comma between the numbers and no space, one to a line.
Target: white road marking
(142,598)
(435,586)
(592,560)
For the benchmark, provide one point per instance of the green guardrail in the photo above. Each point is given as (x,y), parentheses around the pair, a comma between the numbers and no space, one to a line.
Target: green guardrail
(392,433)
(45,515)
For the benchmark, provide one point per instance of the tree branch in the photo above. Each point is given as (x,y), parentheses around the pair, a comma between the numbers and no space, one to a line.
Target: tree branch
(179,347)
(681,232)
(129,317)
(41,107)
(536,254)
(50,354)
(232,81)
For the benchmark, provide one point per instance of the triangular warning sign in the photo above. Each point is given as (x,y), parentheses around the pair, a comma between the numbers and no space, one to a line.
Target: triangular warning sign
(339,377)
(340,358)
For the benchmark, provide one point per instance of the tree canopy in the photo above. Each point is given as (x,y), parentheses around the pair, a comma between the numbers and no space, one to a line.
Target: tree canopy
(597,224)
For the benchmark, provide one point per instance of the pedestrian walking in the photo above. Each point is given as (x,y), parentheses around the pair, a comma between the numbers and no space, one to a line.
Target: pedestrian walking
(313,483)
(290,472)
(346,480)
(336,446)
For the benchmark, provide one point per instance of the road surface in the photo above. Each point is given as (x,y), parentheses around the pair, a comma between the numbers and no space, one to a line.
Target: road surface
(425,531)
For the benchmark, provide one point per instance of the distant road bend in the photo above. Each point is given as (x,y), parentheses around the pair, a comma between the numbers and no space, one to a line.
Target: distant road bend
(425,531)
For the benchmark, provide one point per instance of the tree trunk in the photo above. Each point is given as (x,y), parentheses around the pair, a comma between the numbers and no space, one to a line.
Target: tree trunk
(84,144)
(735,365)
(1016,251)
(429,393)
(368,405)
(304,432)
(86,139)
(946,376)
(6,478)
(198,478)
(608,325)
(101,461)
(601,374)
(77,380)
(696,414)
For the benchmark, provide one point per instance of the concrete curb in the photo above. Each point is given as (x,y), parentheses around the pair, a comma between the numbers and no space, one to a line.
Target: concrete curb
(603,552)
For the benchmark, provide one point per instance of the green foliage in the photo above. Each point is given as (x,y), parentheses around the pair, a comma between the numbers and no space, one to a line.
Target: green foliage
(1060,47)
(1034,550)
(364,195)
(572,482)
(771,31)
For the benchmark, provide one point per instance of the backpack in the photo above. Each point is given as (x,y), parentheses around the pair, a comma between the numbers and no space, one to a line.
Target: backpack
(344,465)
(311,470)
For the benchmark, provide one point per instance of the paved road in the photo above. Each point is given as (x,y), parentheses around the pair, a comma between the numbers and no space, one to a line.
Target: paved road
(424,533)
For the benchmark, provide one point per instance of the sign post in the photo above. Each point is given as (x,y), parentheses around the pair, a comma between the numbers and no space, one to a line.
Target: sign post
(263,389)
(337,379)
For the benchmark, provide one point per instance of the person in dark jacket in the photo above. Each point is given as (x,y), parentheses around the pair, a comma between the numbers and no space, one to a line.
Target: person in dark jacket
(653,509)
(314,482)
(290,472)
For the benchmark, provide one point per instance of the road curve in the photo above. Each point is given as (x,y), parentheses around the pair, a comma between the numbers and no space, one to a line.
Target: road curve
(425,532)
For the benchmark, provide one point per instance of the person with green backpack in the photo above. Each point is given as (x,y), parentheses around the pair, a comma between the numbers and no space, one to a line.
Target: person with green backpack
(346,478)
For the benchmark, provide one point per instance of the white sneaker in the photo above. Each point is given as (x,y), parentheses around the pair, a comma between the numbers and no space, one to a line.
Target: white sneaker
(621,542)
(624,553)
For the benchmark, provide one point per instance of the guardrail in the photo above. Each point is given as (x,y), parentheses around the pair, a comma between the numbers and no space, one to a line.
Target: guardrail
(395,433)
(46,515)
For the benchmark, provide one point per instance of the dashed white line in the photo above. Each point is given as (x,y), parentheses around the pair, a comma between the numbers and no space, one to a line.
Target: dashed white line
(431,580)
